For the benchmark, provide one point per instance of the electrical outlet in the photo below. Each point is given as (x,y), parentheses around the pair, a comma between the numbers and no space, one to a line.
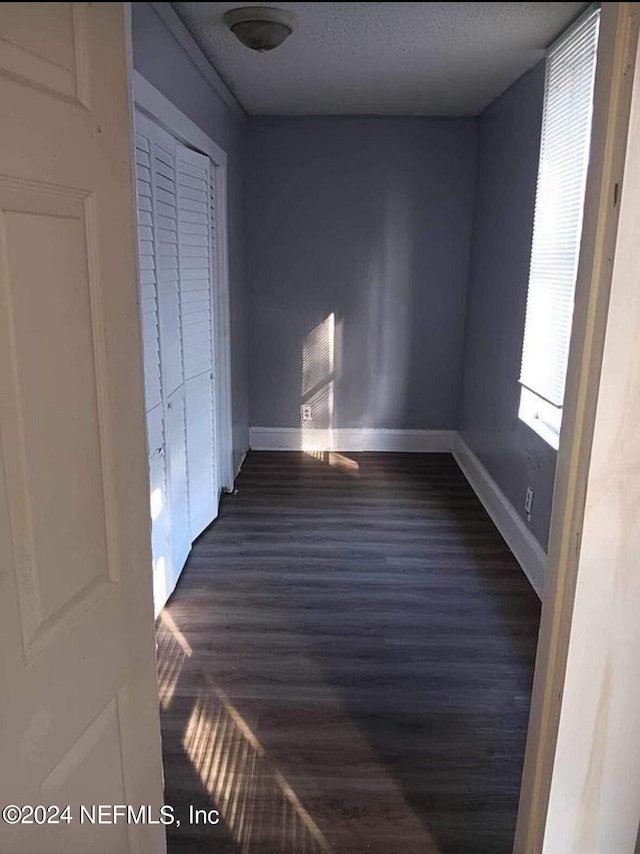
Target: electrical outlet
(305,412)
(528,502)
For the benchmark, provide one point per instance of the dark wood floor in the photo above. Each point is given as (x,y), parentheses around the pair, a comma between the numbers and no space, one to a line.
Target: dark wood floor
(346,664)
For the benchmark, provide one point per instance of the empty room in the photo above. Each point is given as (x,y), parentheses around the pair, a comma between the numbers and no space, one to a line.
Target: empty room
(318,431)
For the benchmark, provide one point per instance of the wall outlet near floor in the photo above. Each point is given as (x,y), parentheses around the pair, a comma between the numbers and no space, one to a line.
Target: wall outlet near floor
(528,502)
(305,412)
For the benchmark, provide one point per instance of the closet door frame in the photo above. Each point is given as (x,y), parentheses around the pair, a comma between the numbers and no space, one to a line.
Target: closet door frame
(154,104)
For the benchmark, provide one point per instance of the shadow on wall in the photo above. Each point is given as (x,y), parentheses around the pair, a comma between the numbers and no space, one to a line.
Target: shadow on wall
(388,278)
(369,222)
(385,279)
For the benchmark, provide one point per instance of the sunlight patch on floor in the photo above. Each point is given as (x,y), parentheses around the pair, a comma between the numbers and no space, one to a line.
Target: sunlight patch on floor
(254,799)
(173,650)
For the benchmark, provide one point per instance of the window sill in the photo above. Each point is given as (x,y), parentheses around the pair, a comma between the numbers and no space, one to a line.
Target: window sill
(541,416)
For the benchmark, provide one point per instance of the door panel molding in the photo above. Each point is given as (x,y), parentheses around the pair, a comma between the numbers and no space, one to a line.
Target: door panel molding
(20,202)
(27,63)
(78,652)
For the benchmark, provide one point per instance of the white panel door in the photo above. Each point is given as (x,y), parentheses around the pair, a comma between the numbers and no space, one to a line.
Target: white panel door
(196,299)
(79,711)
(178,490)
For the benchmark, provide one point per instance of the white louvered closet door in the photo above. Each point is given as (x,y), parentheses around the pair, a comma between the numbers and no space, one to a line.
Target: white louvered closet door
(147,262)
(165,217)
(196,312)
(176,231)
(149,317)
(222,405)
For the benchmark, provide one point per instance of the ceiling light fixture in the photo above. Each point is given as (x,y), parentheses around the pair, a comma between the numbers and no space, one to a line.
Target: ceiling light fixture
(259,28)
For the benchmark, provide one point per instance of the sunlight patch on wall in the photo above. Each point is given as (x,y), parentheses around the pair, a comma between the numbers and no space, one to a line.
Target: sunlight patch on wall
(317,401)
(318,355)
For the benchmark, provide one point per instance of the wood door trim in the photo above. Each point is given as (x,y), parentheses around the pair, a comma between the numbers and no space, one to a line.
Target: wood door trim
(612,102)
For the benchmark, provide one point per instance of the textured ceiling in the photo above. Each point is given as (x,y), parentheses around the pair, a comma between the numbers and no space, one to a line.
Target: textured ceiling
(431,59)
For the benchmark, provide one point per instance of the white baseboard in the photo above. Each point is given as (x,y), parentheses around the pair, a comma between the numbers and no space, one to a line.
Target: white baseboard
(350,439)
(526,549)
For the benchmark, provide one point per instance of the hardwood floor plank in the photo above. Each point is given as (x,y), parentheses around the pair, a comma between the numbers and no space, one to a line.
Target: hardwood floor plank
(346,664)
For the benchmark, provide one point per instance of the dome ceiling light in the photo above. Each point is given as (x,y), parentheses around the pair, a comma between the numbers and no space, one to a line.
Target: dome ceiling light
(259,28)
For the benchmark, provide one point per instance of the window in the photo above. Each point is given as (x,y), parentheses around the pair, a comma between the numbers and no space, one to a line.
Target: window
(562,174)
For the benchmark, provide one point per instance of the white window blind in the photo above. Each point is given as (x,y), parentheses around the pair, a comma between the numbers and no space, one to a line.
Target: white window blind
(562,173)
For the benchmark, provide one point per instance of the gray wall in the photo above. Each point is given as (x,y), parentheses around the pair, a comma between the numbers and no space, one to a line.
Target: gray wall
(371,219)
(164,63)
(508,149)
(368,218)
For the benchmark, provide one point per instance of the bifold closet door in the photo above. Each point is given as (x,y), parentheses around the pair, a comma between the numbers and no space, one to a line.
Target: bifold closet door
(196,296)
(175,233)
(150,321)
(162,352)
(165,216)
